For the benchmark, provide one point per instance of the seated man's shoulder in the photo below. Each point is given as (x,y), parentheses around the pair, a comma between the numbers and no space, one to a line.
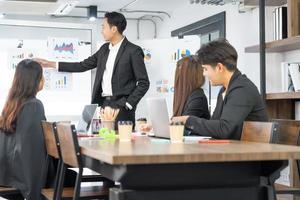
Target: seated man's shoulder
(243,90)
(246,84)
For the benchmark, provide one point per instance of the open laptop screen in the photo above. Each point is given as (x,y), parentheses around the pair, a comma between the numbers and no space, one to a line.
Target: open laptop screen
(86,118)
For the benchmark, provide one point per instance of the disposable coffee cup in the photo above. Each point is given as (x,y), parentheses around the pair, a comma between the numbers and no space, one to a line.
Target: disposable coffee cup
(125,130)
(139,122)
(176,132)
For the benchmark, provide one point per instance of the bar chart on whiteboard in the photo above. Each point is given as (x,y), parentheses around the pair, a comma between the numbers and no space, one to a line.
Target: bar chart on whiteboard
(57,80)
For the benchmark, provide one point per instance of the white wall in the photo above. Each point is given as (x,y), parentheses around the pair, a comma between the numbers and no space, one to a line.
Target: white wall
(242,29)
(146,30)
(146,27)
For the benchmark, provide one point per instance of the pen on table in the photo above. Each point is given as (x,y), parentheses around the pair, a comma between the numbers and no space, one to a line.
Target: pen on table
(86,135)
(209,141)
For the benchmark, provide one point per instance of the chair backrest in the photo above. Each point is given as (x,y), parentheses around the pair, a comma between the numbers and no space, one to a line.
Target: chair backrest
(289,134)
(70,150)
(288,131)
(265,132)
(50,141)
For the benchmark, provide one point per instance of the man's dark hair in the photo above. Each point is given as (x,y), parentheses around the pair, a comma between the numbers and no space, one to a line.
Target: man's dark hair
(218,51)
(116,19)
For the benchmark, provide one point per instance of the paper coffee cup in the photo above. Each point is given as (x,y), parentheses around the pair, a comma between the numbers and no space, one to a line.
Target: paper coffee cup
(176,133)
(125,131)
(139,122)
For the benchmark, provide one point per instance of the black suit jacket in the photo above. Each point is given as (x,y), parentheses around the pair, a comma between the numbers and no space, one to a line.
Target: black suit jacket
(196,105)
(241,103)
(129,80)
(23,153)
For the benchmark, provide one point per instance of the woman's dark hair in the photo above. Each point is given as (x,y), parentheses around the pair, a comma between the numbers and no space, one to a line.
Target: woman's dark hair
(116,19)
(218,51)
(188,78)
(25,86)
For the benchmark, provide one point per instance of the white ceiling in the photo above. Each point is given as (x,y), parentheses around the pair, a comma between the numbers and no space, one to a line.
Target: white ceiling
(36,7)
(163,5)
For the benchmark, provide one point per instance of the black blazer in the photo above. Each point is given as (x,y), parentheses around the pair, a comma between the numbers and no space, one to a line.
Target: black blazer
(129,80)
(23,153)
(196,105)
(241,103)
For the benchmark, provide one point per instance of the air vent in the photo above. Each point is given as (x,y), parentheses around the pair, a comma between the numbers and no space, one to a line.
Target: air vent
(213,2)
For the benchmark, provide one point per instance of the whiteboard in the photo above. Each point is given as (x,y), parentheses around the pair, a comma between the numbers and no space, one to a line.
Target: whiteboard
(56,102)
(161,56)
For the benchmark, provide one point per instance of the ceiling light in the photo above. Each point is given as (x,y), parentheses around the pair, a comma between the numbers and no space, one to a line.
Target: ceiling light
(92,13)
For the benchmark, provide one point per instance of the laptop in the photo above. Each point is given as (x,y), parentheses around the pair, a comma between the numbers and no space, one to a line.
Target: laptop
(160,120)
(86,118)
(158,113)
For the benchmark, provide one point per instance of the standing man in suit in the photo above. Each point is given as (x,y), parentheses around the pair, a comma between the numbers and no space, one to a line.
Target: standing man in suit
(121,78)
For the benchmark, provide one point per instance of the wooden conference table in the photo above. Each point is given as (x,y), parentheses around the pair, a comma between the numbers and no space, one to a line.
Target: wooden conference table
(155,169)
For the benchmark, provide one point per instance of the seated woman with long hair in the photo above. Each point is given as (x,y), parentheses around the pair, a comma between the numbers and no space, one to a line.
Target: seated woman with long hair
(189,97)
(22,148)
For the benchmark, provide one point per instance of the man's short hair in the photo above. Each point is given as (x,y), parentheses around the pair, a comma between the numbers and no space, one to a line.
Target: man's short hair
(116,19)
(218,51)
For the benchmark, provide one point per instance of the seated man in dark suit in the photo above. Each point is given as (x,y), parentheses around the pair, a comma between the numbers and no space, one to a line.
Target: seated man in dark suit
(238,99)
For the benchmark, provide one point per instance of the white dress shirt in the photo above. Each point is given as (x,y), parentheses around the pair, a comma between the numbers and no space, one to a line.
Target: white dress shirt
(108,72)
(107,75)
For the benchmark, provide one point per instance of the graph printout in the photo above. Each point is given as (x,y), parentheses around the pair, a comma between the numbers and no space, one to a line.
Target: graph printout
(63,49)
